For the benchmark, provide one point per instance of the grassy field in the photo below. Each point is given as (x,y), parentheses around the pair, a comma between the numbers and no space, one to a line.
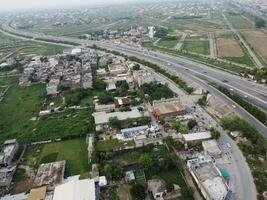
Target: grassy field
(17,108)
(201,47)
(73,151)
(21,106)
(239,22)
(168,43)
(108,145)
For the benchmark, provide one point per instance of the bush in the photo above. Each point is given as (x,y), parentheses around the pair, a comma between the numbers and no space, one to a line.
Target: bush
(138,191)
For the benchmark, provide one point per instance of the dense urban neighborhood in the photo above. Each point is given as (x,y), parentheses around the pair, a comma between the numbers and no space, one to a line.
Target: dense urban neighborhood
(153,100)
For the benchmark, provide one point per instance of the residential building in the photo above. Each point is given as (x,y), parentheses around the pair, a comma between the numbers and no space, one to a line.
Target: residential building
(208,178)
(194,137)
(157,187)
(8,152)
(151,32)
(167,108)
(121,101)
(104,108)
(211,148)
(143,76)
(50,174)
(102,118)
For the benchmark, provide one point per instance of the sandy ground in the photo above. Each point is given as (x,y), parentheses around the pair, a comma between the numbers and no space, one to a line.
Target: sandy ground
(228,48)
(258,40)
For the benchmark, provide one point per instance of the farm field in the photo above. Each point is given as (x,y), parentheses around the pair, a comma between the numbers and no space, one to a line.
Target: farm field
(258,41)
(228,48)
(239,22)
(200,47)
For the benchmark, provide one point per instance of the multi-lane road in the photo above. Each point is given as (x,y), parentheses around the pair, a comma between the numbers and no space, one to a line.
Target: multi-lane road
(199,73)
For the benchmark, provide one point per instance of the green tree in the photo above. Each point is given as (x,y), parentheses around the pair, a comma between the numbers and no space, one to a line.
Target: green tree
(114,122)
(260,23)
(187,191)
(191,124)
(183,129)
(105,98)
(136,67)
(215,134)
(146,161)
(138,191)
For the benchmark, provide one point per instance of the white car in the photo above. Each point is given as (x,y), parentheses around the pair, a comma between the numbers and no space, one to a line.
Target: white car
(228,145)
(233,106)
(169,64)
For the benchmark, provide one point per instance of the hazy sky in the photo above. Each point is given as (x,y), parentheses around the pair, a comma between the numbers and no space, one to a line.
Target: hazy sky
(22,4)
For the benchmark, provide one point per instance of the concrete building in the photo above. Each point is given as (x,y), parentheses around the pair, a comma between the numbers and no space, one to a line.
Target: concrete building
(76,190)
(104,108)
(157,187)
(50,174)
(102,118)
(111,87)
(143,76)
(167,108)
(116,69)
(8,152)
(87,80)
(131,133)
(151,32)
(121,101)
(52,87)
(194,137)
(208,178)
(211,148)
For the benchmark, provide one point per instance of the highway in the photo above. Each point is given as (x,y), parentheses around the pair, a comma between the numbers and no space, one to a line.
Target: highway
(202,75)
(199,73)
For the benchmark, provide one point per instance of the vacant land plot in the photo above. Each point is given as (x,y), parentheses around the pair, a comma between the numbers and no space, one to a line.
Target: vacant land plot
(168,43)
(239,22)
(258,40)
(73,151)
(19,110)
(228,48)
(108,145)
(200,47)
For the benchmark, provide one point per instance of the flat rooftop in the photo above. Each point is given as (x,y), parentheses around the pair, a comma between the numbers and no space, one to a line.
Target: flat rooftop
(50,174)
(103,117)
(196,136)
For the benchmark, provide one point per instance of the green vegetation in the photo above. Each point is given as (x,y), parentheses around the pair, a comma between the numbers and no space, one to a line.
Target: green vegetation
(168,41)
(107,145)
(215,134)
(19,116)
(153,91)
(255,111)
(17,108)
(113,172)
(260,23)
(20,175)
(254,147)
(138,191)
(73,151)
(238,21)
(161,32)
(201,47)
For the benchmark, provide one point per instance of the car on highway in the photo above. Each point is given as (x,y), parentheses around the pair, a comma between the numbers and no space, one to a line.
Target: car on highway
(231,89)
(233,106)
(225,81)
(169,64)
